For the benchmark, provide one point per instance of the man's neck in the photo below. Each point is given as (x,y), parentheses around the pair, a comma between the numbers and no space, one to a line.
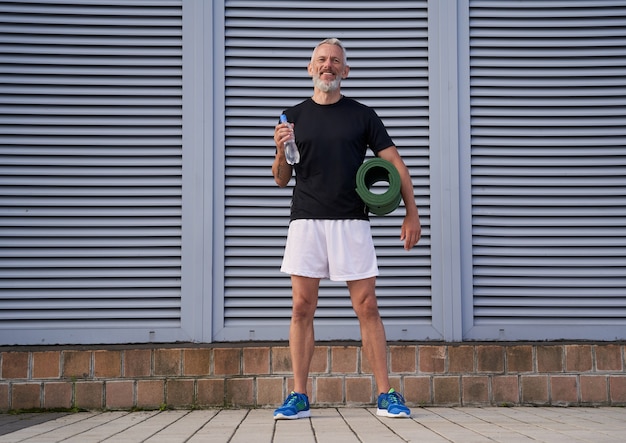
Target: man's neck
(326,98)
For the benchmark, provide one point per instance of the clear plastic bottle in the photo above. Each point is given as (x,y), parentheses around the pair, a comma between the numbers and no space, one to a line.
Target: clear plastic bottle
(291,149)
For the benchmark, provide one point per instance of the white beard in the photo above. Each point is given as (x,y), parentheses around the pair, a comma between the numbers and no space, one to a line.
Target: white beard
(326,87)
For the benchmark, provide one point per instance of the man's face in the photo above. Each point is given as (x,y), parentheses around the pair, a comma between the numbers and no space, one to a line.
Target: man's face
(327,68)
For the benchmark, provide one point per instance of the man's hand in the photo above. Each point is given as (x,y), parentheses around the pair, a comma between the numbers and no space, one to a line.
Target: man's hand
(282,133)
(281,170)
(411,231)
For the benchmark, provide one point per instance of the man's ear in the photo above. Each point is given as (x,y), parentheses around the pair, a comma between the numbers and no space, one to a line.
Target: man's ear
(345,72)
(309,69)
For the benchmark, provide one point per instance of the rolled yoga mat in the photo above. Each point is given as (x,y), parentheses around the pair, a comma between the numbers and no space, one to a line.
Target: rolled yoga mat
(374,171)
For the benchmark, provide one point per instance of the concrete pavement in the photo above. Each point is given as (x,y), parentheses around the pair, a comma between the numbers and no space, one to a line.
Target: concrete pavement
(346,425)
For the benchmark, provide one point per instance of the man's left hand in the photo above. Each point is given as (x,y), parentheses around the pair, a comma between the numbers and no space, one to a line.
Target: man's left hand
(411,231)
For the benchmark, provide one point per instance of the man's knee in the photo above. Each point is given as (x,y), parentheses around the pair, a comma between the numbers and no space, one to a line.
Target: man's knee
(304,298)
(303,308)
(366,308)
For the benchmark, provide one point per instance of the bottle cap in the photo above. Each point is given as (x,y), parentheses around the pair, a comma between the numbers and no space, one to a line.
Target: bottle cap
(283,118)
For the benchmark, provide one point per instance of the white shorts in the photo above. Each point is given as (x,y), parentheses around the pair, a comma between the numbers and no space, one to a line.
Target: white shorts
(341,250)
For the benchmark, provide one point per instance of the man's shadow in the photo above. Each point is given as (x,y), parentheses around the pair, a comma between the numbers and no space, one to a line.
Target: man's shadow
(14,422)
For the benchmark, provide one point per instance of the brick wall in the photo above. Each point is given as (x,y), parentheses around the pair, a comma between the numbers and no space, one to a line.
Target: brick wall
(203,376)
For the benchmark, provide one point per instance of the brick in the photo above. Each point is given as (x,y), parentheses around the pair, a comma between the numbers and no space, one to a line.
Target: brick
(550,358)
(609,358)
(617,386)
(57,395)
(475,390)
(15,365)
(26,396)
(150,394)
(269,391)
(76,364)
(447,391)
(46,364)
(320,361)
(359,390)
(281,360)
(197,361)
(240,392)
(519,358)
(344,359)
(417,390)
(535,389)
(119,394)
(4,397)
(212,392)
(593,389)
(89,395)
(490,358)
(432,359)
(403,359)
(107,364)
(329,390)
(460,359)
(227,361)
(167,362)
(179,393)
(578,358)
(137,363)
(256,361)
(366,366)
(505,390)
(563,390)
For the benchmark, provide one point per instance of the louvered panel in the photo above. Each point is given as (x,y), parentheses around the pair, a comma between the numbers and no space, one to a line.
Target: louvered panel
(90,166)
(548,162)
(268,46)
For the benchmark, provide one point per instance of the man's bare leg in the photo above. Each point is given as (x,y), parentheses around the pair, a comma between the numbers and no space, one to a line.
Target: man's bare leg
(363,295)
(301,333)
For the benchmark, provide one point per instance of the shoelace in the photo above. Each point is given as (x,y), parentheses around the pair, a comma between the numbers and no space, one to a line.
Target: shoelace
(291,400)
(395,398)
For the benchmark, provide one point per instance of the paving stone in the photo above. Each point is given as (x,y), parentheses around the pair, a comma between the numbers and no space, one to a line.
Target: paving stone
(345,424)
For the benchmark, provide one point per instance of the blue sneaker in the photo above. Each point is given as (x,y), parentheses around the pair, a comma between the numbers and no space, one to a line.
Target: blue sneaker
(391,404)
(295,406)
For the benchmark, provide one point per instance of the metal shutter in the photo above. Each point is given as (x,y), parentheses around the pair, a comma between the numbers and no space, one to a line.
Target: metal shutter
(90,156)
(268,45)
(548,169)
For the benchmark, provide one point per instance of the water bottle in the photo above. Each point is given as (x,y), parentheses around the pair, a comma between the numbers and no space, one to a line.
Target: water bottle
(291,150)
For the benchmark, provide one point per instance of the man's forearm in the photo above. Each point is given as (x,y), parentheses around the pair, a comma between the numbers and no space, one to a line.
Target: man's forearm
(407,192)
(281,170)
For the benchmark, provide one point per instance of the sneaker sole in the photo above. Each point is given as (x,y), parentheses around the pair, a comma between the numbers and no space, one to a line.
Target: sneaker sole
(385,413)
(301,414)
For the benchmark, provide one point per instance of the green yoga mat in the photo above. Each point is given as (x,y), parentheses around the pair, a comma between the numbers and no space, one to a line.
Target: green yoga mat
(374,171)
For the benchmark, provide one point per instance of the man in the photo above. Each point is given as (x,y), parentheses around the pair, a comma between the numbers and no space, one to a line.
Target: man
(329,233)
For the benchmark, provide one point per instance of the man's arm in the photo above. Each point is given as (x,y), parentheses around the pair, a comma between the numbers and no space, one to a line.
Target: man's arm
(281,170)
(411,229)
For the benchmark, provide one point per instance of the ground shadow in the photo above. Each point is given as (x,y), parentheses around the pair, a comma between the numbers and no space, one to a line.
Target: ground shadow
(14,422)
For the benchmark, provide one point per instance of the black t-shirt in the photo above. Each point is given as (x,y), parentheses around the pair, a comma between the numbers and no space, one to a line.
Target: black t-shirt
(333,140)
